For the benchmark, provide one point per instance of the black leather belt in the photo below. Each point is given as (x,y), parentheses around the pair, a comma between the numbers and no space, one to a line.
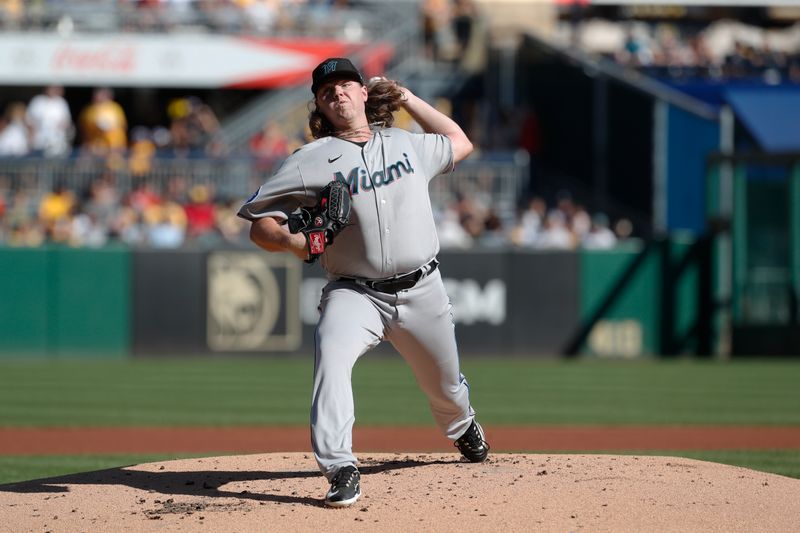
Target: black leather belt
(400,283)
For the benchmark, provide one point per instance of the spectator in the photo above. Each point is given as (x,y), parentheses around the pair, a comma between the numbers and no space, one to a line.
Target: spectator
(14,133)
(439,39)
(566,205)
(26,234)
(580,223)
(200,216)
(205,129)
(178,12)
(231,227)
(86,230)
(600,237)
(623,229)
(20,208)
(55,210)
(180,144)
(102,202)
(529,223)
(165,226)
(142,151)
(555,235)
(50,121)
(162,139)
(261,16)
(148,15)
(103,124)
(463,21)
(127,226)
(494,234)
(450,231)
(269,146)
(636,50)
(194,128)
(20,220)
(177,189)
(471,214)
(143,196)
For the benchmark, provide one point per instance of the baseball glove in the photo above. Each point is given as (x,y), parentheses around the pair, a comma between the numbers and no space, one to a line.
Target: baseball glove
(322,222)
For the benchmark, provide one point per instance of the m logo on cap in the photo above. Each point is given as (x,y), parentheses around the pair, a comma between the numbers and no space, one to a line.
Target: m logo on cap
(329,67)
(339,67)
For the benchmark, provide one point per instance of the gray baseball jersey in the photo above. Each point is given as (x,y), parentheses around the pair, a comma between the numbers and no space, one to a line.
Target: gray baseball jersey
(392,229)
(392,233)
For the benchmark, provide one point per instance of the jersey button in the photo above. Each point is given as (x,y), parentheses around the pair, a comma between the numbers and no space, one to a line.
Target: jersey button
(383,201)
(387,230)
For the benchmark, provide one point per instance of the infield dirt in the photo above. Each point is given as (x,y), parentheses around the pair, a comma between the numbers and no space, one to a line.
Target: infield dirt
(410,492)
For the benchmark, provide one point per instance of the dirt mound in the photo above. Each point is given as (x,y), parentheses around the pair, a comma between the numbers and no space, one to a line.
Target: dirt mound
(402,492)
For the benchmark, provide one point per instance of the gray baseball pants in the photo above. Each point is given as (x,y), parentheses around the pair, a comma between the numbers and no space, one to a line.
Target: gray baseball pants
(419,324)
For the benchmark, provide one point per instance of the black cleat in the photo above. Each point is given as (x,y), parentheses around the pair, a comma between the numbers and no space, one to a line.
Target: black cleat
(472,444)
(345,488)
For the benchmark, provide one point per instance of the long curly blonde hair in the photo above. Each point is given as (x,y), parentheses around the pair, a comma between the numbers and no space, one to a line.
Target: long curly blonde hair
(384,97)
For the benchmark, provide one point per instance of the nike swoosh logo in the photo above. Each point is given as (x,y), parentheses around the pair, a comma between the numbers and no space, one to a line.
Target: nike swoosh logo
(332,159)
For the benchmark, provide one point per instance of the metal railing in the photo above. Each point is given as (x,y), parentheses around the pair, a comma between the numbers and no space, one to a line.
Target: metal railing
(194,16)
(497,180)
(229,177)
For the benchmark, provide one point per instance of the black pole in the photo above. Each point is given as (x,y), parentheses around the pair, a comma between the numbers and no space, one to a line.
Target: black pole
(600,141)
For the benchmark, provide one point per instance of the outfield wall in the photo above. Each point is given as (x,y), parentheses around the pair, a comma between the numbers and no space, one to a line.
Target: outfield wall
(64,302)
(637,300)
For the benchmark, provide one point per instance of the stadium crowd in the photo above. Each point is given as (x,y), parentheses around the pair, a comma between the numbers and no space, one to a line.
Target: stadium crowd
(165,210)
(153,211)
(183,213)
(168,211)
(721,50)
(44,127)
(563,225)
(232,16)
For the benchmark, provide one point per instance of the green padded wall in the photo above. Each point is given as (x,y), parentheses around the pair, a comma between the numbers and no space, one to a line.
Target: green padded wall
(63,302)
(625,282)
(91,301)
(24,301)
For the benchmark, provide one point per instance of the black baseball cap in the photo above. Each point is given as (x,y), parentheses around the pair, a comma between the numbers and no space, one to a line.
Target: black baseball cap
(334,67)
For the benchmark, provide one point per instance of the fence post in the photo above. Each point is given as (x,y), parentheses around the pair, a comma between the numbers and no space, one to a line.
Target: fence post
(794,242)
(739,237)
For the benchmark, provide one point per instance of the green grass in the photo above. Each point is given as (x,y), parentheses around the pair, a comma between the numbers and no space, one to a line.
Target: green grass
(504,391)
(155,392)
(15,468)
(248,391)
(783,462)
(646,392)
(23,468)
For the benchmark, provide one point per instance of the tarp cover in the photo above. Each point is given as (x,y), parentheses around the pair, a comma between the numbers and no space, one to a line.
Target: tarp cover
(771,115)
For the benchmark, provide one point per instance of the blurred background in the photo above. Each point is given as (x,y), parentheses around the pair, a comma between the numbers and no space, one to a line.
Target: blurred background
(634,192)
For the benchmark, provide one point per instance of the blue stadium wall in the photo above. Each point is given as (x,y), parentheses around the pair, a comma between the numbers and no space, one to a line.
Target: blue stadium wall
(690,140)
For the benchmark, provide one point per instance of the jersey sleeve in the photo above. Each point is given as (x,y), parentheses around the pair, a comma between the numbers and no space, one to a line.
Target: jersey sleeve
(435,152)
(281,193)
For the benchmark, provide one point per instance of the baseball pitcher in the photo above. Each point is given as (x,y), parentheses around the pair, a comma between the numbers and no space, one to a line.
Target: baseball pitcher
(356,199)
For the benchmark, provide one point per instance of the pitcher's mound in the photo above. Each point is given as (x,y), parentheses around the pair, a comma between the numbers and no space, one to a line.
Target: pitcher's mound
(419,492)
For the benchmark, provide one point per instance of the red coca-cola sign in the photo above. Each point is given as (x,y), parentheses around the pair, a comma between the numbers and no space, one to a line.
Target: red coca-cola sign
(107,58)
